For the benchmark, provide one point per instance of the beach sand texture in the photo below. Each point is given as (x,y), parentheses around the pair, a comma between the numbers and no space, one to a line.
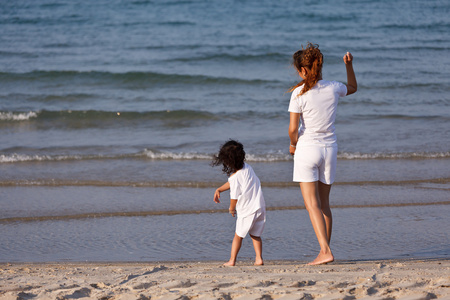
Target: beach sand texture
(399,279)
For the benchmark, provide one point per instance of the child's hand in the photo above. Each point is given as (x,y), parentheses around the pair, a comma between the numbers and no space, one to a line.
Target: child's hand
(232,212)
(217,196)
(348,58)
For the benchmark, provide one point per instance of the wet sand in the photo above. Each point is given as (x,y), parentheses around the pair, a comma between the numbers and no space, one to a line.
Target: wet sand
(387,279)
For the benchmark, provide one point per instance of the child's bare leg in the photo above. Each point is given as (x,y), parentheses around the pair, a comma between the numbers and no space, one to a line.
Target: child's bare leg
(235,247)
(324,195)
(312,203)
(257,244)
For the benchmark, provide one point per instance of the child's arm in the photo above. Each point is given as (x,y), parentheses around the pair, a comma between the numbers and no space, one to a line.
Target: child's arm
(223,188)
(232,209)
(352,85)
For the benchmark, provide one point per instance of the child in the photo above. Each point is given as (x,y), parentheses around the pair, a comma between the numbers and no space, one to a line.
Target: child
(246,198)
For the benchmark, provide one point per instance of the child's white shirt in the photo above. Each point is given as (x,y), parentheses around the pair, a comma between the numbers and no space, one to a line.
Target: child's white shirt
(245,187)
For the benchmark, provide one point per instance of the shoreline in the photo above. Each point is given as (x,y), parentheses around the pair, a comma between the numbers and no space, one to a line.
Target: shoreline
(242,262)
(279,279)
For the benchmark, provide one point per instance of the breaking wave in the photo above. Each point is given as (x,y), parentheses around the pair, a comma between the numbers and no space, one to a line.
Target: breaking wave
(152,154)
(19,116)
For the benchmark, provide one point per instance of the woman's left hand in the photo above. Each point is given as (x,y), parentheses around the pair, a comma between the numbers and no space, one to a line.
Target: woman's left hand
(291,150)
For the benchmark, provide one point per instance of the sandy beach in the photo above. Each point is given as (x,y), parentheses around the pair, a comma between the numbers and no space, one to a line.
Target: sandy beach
(399,279)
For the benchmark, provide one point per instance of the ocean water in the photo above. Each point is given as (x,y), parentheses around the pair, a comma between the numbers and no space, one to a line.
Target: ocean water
(110,112)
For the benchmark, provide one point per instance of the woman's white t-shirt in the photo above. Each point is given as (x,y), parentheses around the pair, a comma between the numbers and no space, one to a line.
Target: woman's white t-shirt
(318,111)
(245,187)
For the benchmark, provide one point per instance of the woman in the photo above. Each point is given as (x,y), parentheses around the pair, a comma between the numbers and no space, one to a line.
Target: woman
(314,145)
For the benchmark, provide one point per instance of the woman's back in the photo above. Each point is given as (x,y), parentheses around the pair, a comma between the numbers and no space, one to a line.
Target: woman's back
(318,111)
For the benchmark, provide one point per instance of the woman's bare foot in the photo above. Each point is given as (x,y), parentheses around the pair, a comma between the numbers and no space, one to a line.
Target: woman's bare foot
(229,264)
(259,262)
(322,258)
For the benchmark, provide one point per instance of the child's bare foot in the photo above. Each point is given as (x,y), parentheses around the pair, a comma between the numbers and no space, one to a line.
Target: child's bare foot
(259,262)
(322,258)
(229,264)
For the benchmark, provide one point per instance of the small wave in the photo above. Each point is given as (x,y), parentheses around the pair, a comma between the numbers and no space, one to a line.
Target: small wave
(280,156)
(400,117)
(18,54)
(402,155)
(146,154)
(366,102)
(177,23)
(169,155)
(186,212)
(236,58)
(270,157)
(414,26)
(70,116)
(391,85)
(176,156)
(141,2)
(443,182)
(12,158)
(100,183)
(128,79)
(17,116)
(163,155)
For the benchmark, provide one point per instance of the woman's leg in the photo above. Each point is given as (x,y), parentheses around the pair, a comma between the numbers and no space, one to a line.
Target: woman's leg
(324,196)
(310,192)
(257,244)
(235,247)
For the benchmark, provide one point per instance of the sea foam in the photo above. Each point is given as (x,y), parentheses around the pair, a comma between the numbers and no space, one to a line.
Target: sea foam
(22,116)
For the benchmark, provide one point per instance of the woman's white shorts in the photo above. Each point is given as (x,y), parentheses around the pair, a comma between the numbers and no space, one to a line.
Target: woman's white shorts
(252,224)
(315,163)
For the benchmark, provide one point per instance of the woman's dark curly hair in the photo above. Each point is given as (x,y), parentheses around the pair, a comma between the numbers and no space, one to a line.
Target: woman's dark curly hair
(231,156)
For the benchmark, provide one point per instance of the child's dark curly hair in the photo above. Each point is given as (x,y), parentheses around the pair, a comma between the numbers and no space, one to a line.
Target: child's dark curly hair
(231,156)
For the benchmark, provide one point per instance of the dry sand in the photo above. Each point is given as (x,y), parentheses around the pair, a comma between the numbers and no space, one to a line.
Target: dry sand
(415,279)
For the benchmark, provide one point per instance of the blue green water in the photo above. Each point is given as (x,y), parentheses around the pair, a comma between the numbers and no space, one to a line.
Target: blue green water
(117,106)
